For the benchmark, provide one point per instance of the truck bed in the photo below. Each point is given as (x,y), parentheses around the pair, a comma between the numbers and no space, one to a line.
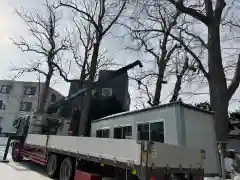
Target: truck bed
(118,150)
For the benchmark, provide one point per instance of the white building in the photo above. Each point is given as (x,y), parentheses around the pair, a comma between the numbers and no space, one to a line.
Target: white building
(19,98)
(173,123)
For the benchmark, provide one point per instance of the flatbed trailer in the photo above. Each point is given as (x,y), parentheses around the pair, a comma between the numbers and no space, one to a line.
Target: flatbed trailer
(68,157)
(82,158)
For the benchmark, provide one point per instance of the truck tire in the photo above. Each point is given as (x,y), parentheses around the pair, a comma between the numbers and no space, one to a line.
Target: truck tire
(16,153)
(67,169)
(53,166)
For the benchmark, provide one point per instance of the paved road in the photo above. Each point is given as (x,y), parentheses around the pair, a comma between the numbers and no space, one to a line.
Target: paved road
(19,171)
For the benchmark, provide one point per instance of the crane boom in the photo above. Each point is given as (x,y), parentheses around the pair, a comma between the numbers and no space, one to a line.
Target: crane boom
(53,108)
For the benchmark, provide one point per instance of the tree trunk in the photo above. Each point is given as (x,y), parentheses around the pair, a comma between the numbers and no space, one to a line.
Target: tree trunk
(217,83)
(84,124)
(177,89)
(44,94)
(178,83)
(80,100)
(158,89)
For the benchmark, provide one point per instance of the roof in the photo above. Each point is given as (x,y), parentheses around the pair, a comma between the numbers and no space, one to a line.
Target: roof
(9,81)
(32,83)
(178,103)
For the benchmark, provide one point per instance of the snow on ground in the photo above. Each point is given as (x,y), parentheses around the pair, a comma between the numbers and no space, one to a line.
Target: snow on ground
(19,171)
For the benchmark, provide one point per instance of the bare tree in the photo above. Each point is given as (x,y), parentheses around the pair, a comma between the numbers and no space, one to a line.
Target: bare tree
(159,45)
(185,71)
(102,15)
(81,46)
(211,14)
(47,44)
(81,61)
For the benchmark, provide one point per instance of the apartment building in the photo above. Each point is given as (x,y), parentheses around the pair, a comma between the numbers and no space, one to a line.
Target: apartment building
(19,98)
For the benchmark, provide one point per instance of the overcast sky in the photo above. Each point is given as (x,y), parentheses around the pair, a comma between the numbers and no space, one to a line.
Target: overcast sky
(11,26)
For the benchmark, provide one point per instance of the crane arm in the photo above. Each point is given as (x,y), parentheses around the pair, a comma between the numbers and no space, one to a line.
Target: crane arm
(53,108)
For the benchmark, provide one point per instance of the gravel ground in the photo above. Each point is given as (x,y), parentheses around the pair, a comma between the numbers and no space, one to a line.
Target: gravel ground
(19,171)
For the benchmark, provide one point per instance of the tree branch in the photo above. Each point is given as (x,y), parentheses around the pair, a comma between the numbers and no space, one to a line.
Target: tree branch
(115,18)
(170,52)
(26,47)
(195,37)
(28,70)
(62,73)
(208,8)
(178,83)
(220,5)
(201,67)
(235,81)
(89,17)
(190,11)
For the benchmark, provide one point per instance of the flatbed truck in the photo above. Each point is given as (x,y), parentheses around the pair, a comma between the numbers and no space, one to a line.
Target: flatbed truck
(68,157)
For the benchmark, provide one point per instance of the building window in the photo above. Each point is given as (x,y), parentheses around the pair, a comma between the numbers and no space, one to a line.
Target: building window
(127,132)
(157,132)
(124,132)
(107,92)
(94,93)
(103,133)
(6,89)
(151,132)
(1,120)
(143,132)
(118,133)
(99,133)
(26,106)
(29,90)
(2,105)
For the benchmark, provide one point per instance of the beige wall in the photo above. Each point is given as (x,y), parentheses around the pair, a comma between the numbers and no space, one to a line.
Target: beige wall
(14,99)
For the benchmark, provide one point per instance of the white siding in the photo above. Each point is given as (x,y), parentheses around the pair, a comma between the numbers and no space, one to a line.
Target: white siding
(111,123)
(183,126)
(200,133)
(165,114)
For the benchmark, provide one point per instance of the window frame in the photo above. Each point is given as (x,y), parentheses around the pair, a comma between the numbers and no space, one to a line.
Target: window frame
(163,131)
(103,129)
(117,127)
(122,127)
(138,138)
(110,90)
(8,88)
(151,122)
(108,130)
(30,94)
(123,134)
(1,121)
(97,132)
(25,110)
(2,105)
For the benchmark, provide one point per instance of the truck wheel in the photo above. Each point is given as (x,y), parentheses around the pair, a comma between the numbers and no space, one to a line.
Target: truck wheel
(66,169)
(16,153)
(52,166)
